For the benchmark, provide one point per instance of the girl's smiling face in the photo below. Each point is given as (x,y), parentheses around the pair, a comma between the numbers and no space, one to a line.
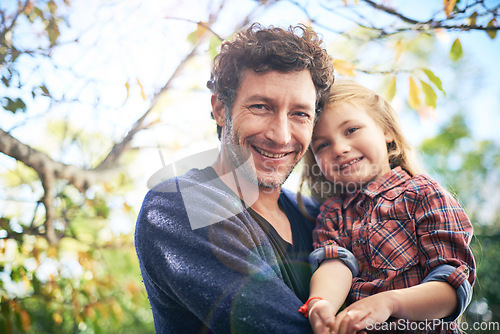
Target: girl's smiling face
(349,146)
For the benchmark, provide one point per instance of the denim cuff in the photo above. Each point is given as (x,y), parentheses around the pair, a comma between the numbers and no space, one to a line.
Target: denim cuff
(318,256)
(464,291)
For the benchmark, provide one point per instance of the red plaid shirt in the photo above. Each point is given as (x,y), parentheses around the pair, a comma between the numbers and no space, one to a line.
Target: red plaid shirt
(398,228)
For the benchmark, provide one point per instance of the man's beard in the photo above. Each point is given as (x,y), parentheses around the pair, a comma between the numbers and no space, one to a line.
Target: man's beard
(241,159)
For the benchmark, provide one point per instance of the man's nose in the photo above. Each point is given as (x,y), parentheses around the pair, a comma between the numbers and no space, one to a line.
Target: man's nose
(279,129)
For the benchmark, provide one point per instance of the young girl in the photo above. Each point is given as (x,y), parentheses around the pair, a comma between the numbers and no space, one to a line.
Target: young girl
(389,239)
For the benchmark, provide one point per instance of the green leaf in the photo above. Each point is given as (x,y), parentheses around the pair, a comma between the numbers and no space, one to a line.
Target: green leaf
(391,89)
(213,46)
(473,18)
(430,95)
(38,12)
(53,31)
(456,51)
(45,90)
(196,35)
(52,6)
(15,105)
(5,81)
(434,79)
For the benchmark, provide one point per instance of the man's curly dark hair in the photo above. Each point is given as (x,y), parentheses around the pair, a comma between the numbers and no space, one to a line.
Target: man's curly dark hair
(265,49)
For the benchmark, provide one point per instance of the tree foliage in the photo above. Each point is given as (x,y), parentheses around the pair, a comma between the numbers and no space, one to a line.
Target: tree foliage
(63,267)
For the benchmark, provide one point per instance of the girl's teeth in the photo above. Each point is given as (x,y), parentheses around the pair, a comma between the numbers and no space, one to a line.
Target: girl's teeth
(350,163)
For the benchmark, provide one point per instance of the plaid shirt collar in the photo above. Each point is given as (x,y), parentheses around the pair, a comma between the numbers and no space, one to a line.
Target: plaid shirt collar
(384,184)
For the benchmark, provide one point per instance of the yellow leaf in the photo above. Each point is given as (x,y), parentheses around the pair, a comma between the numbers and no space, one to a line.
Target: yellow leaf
(492,33)
(414,97)
(398,48)
(57,318)
(448,6)
(52,252)
(143,95)
(127,207)
(391,89)
(36,254)
(344,68)
(25,320)
(108,187)
(26,282)
(127,86)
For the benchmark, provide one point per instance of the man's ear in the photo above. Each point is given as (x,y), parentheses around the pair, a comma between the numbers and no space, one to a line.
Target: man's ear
(218,110)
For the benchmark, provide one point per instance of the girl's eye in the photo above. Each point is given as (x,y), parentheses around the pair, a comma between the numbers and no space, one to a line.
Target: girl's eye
(320,146)
(351,130)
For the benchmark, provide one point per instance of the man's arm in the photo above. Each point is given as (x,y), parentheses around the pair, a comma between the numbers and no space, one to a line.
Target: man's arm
(225,273)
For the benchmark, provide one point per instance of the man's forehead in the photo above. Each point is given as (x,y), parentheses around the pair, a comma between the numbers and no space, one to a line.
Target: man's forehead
(254,84)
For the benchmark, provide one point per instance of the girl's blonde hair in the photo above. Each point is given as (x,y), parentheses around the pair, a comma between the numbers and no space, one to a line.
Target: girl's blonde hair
(400,152)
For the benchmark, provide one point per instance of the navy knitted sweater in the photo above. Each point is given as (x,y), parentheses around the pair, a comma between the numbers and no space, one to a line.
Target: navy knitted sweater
(234,274)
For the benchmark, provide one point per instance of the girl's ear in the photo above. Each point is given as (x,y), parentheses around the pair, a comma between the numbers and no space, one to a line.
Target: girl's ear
(218,110)
(388,138)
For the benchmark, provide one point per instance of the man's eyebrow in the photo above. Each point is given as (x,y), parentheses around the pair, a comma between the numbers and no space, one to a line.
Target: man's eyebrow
(258,97)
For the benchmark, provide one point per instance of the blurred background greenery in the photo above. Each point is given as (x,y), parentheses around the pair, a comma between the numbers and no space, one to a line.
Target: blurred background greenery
(97,95)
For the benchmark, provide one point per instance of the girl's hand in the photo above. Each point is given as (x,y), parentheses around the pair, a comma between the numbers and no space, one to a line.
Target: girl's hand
(363,313)
(321,316)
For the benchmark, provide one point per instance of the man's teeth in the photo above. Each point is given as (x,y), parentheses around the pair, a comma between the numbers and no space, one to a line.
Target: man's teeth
(349,163)
(269,154)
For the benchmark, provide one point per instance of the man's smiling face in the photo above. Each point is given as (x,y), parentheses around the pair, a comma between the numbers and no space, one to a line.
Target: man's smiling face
(272,119)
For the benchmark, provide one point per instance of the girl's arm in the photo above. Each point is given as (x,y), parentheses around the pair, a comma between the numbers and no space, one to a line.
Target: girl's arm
(431,300)
(331,281)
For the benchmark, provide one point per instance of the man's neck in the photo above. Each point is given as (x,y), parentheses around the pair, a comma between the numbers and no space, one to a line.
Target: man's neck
(257,197)
(262,200)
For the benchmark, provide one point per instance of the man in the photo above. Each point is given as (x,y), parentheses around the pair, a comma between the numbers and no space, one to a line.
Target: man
(224,249)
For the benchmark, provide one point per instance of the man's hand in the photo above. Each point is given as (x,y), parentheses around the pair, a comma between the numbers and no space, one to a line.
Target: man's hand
(321,316)
(365,312)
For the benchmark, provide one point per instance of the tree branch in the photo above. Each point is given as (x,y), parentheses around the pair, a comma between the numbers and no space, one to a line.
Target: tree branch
(9,28)
(430,24)
(50,170)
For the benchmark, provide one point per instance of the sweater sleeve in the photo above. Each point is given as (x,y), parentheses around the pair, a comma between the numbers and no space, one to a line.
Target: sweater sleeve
(224,274)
